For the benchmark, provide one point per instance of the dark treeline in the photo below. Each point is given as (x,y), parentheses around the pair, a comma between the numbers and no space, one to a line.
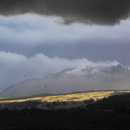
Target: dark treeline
(45,105)
(20,105)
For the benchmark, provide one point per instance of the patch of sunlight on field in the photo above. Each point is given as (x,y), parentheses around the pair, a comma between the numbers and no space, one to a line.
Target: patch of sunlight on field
(123,91)
(68,97)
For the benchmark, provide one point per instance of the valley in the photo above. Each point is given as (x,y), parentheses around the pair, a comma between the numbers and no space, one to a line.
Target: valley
(73,98)
(101,112)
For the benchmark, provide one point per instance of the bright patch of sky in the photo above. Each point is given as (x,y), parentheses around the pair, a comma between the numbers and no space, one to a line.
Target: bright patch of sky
(35,28)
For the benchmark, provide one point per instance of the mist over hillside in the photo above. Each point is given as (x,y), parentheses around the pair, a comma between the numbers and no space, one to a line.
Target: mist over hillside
(81,78)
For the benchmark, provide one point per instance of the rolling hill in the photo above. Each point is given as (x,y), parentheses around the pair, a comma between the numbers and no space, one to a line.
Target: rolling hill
(82,78)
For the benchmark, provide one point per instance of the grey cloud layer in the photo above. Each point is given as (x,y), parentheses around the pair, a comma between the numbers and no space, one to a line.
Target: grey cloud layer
(84,11)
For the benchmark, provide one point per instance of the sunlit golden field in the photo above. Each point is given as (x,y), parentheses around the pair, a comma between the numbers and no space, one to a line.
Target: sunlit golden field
(78,96)
(69,97)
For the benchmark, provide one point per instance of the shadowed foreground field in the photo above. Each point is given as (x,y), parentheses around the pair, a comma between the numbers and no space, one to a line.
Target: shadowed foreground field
(63,120)
(112,113)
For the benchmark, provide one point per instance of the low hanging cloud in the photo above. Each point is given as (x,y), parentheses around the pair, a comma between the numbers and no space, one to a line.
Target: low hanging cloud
(102,12)
(15,68)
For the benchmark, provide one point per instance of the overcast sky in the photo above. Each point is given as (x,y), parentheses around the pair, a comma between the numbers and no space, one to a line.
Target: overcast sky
(46,36)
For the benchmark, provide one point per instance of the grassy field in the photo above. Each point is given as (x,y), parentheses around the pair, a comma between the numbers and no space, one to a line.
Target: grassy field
(110,113)
(69,97)
(5,98)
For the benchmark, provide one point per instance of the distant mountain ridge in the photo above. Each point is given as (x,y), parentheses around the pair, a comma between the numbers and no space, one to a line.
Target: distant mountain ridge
(92,72)
(81,78)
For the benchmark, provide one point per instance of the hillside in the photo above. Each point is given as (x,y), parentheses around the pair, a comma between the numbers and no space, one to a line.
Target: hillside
(82,78)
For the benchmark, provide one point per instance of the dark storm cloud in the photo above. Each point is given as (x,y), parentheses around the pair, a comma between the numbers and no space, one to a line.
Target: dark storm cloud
(84,11)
